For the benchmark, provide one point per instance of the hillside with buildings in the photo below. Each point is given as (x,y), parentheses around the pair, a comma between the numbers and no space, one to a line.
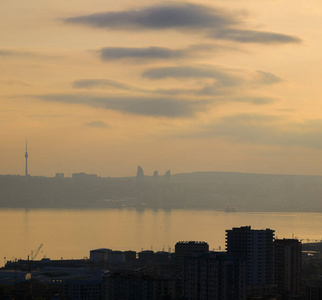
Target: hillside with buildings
(200,190)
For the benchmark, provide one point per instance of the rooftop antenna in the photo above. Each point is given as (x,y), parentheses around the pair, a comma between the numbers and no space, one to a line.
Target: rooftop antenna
(26,156)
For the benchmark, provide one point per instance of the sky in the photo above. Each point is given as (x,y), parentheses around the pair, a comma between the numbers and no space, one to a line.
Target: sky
(104,86)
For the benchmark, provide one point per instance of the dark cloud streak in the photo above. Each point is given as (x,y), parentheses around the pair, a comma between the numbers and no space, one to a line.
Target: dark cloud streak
(101,83)
(216,23)
(156,107)
(18,53)
(220,74)
(97,124)
(160,53)
(255,100)
(115,53)
(252,36)
(181,16)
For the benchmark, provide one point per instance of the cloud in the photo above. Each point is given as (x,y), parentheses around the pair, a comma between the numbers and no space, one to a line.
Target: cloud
(157,107)
(98,124)
(250,128)
(255,100)
(252,36)
(220,74)
(267,78)
(265,130)
(180,16)
(107,83)
(15,82)
(249,119)
(217,23)
(163,53)
(24,53)
(101,83)
(115,53)
(225,80)
(223,84)
(9,52)
(176,91)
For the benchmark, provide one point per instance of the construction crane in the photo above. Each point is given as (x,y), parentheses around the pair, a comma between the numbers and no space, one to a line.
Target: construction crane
(35,252)
(33,256)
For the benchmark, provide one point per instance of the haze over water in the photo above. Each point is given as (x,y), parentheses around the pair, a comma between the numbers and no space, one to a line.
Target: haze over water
(73,233)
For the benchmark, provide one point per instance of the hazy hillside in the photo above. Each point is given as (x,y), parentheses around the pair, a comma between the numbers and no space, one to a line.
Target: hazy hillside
(255,191)
(199,190)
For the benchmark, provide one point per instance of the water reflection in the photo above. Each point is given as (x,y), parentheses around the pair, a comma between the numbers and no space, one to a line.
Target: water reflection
(73,233)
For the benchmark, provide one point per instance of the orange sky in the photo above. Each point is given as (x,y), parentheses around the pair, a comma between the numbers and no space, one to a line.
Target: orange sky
(101,86)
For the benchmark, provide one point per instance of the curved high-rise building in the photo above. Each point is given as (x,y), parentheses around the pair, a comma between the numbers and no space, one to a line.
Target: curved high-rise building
(26,156)
(167,176)
(139,176)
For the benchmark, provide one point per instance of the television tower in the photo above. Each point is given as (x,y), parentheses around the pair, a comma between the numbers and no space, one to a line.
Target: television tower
(26,156)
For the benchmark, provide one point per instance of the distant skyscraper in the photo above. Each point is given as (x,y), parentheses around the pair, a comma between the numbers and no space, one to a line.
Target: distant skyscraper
(167,176)
(26,156)
(139,176)
(155,178)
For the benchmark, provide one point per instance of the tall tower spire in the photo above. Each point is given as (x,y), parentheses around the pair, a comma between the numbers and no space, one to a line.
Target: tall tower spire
(26,156)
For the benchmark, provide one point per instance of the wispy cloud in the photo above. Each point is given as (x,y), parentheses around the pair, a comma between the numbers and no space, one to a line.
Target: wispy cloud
(181,16)
(267,78)
(266,130)
(255,100)
(220,74)
(225,82)
(216,23)
(15,82)
(11,52)
(97,124)
(223,77)
(160,53)
(156,107)
(102,83)
(114,53)
(252,36)
(108,84)
(17,53)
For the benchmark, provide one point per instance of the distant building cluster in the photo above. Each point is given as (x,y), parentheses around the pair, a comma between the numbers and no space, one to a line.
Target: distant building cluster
(254,265)
(155,177)
(223,191)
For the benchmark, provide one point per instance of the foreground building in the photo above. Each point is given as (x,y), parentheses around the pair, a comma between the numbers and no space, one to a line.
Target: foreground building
(288,267)
(183,249)
(82,289)
(214,276)
(313,290)
(136,286)
(256,247)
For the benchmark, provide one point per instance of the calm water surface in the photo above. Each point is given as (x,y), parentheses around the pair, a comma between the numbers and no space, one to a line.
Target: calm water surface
(73,233)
